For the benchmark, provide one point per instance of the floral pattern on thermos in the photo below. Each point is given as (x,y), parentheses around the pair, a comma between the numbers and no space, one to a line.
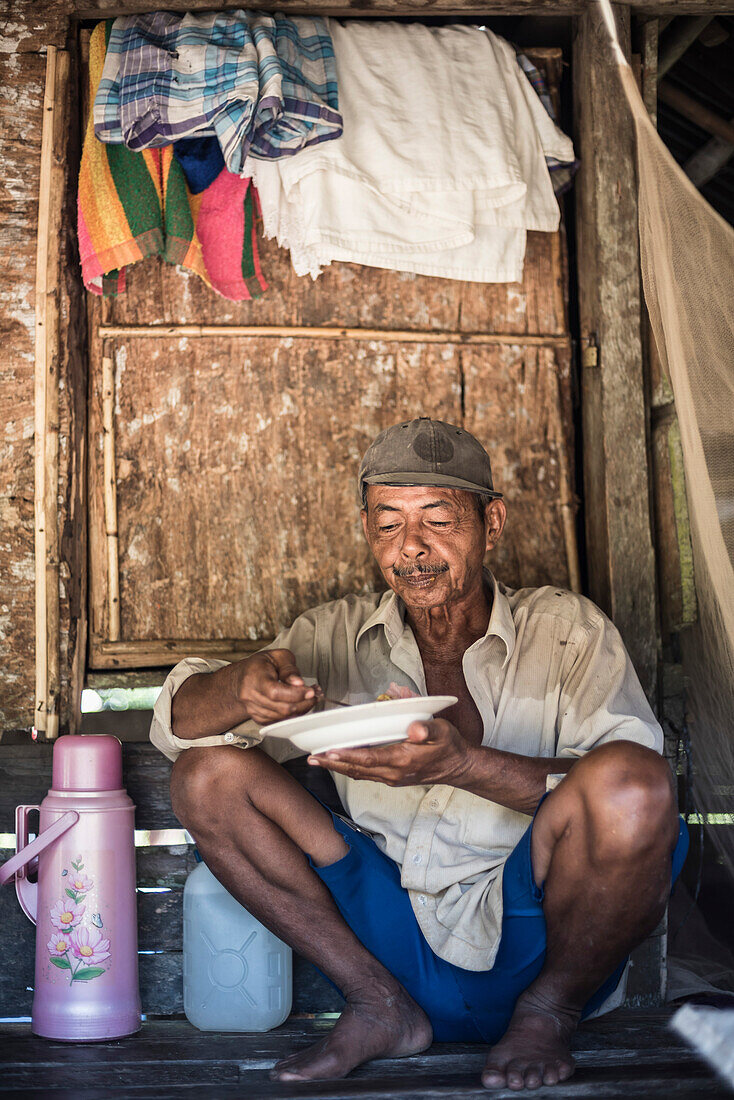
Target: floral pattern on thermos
(76,945)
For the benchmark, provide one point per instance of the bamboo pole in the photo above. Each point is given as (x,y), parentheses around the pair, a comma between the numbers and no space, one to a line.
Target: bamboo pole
(40,411)
(110,496)
(302,332)
(51,433)
(166,652)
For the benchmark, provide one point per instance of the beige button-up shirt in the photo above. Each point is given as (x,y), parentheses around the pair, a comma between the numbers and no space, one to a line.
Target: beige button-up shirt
(551,677)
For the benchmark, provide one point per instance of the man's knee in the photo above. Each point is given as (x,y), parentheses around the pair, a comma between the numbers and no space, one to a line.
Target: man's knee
(206,783)
(628,794)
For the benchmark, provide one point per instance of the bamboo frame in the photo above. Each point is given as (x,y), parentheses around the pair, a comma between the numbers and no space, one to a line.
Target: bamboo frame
(168,651)
(43,343)
(53,370)
(303,332)
(110,495)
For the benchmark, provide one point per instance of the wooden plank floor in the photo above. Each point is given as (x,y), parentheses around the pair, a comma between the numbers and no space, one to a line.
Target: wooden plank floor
(621,1057)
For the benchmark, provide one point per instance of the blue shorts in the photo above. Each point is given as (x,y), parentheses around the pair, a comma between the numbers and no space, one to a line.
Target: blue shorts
(462,1005)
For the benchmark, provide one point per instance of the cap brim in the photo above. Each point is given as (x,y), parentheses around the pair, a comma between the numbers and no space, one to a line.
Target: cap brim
(439,480)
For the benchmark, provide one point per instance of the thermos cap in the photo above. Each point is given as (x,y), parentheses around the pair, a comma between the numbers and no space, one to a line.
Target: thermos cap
(87,762)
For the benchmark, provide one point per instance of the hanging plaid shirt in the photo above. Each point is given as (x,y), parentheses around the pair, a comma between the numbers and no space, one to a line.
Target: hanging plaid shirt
(561,172)
(263,85)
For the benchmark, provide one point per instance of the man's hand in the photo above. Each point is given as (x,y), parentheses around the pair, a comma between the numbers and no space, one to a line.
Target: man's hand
(271,687)
(435,752)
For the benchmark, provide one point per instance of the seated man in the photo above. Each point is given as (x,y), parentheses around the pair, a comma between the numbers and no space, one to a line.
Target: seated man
(453,900)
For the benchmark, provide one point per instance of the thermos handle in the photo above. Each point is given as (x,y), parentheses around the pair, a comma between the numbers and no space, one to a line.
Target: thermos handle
(25,853)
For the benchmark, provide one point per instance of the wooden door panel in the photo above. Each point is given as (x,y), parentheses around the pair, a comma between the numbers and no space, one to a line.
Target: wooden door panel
(236,475)
(513,405)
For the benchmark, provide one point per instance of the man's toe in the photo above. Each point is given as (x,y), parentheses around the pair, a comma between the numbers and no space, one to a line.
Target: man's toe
(515,1079)
(566,1069)
(551,1074)
(494,1077)
(534,1076)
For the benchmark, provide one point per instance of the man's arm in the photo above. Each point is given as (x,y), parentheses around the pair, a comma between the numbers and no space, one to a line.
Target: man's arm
(266,687)
(435,752)
(518,782)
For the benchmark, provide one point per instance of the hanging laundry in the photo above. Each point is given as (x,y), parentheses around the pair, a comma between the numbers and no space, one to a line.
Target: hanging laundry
(261,84)
(134,205)
(201,160)
(561,172)
(441,167)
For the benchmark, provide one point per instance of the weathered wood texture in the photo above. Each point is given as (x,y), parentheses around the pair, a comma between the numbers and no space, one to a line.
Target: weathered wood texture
(419,9)
(237,457)
(27,31)
(673,549)
(621,568)
(25,777)
(676,582)
(627,1054)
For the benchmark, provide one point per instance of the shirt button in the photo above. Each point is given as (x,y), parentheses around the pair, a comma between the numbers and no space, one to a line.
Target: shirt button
(229,738)
(422,899)
(434,803)
(417,858)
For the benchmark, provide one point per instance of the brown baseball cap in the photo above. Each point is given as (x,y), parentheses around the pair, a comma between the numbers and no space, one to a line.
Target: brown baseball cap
(427,452)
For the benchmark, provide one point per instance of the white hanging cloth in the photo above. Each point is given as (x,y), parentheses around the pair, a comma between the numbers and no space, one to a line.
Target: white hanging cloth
(441,166)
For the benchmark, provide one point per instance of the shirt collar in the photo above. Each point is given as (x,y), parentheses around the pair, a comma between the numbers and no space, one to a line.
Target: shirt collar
(390,614)
(501,623)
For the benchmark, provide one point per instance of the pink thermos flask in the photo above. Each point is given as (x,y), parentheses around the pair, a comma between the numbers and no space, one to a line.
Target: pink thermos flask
(83,904)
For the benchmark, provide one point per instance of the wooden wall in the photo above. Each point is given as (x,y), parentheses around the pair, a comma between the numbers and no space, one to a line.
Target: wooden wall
(236,457)
(27,30)
(519,418)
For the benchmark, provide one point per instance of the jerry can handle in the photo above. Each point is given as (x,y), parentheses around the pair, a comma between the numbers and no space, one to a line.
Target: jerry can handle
(25,853)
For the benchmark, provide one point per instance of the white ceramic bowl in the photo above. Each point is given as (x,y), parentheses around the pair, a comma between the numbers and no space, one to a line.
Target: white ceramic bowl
(354,727)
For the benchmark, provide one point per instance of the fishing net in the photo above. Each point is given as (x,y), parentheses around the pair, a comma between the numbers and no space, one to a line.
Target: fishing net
(687,259)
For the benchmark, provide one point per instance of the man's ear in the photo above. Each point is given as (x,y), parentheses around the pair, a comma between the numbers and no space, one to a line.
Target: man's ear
(364,516)
(495,515)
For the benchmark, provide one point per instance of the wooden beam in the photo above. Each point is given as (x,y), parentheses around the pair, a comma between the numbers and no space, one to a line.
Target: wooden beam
(695,112)
(621,567)
(680,38)
(649,64)
(165,652)
(418,9)
(302,332)
(704,164)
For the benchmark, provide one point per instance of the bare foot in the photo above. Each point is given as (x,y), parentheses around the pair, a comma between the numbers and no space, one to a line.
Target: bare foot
(534,1050)
(382,1024)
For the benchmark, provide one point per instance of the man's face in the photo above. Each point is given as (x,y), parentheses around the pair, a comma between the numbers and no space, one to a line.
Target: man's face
(430,542)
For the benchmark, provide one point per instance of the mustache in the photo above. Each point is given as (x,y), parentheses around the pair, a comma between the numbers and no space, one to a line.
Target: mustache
(411,570)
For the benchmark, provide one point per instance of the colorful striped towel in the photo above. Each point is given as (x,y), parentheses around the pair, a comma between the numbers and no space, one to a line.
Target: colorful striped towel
(134,205)
(262,84)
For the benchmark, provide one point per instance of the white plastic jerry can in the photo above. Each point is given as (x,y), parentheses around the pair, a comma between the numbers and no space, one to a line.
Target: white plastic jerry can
(237,975)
